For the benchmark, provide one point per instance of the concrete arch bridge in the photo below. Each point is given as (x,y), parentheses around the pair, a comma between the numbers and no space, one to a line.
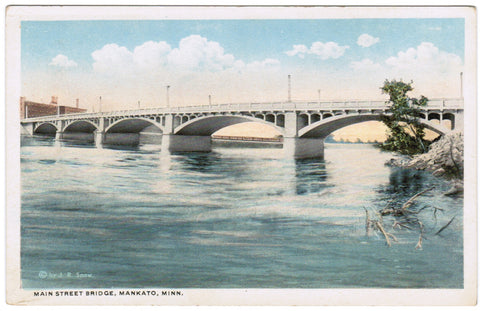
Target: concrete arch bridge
(303,125)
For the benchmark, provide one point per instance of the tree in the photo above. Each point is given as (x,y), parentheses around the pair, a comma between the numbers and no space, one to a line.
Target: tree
(406,134)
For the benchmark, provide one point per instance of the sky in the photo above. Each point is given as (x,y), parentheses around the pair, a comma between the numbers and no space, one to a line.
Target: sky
(237,60)
(129,63)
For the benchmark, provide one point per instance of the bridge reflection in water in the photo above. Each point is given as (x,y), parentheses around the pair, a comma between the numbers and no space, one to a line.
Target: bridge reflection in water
(303,126)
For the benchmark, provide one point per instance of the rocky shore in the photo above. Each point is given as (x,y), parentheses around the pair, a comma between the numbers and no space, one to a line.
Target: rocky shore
(444,159)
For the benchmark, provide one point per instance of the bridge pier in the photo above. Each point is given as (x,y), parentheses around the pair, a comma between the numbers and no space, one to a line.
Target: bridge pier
(58,135)
(183,143)
(27,129)
(303,148)
(459,123)
(99,138)
(186,143)
(296,147)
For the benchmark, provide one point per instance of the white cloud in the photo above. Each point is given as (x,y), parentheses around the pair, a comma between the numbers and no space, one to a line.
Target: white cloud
(62,61)
(197,53)
(114,58)
(298,49)
(151,54)
(111,58)
(366,40)
(365,65)
(426,56)
(193,54)
(271,62)
(268,63)
(323,50)
(328,50)
(194,68)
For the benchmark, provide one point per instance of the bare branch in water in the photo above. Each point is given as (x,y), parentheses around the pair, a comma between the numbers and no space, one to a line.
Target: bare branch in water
(420,238)
(412,199)
(399,224)
(367,222)
(409,220)
(444,227)
(393,237)
(403,211)
(419,244)
(379,225)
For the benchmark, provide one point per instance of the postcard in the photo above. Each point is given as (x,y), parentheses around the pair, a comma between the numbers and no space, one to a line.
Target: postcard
(241,155)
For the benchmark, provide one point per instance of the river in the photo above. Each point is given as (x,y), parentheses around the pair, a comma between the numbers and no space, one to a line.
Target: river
(129,217)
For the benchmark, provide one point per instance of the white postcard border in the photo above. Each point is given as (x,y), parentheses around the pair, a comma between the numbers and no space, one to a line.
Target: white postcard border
(369,296)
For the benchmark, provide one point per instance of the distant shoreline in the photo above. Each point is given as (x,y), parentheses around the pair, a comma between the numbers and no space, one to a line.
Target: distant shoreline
(275,140)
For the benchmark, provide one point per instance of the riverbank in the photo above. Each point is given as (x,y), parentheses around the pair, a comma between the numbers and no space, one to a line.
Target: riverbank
(445,159)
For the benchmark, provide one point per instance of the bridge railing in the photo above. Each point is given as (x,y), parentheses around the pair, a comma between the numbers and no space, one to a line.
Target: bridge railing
(442,103)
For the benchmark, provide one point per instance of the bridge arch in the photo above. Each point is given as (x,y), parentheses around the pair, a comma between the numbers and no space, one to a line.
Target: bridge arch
(451,118)
(83,126)
(303,120)
(325,127)
(270,117)
(315,117)
(434,116)
(48,128)
(132,125)
(206,126)
(260,116)
(280,120)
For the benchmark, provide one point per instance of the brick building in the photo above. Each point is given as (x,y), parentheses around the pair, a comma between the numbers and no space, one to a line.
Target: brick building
(29,109)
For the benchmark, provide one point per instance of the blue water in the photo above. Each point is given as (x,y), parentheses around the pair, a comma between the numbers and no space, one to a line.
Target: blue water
(234,218)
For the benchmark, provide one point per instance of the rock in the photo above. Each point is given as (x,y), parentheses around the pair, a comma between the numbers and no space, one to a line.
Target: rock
(445,158)
(397,161)
(457,188)
(439,172)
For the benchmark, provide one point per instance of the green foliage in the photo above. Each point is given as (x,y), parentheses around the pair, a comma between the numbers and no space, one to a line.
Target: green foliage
(406,134)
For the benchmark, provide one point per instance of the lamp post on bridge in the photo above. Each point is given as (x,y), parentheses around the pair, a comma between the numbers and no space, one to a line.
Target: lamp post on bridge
(168,97)
(319,96)
(100,104)
(289,89)
(461,84)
